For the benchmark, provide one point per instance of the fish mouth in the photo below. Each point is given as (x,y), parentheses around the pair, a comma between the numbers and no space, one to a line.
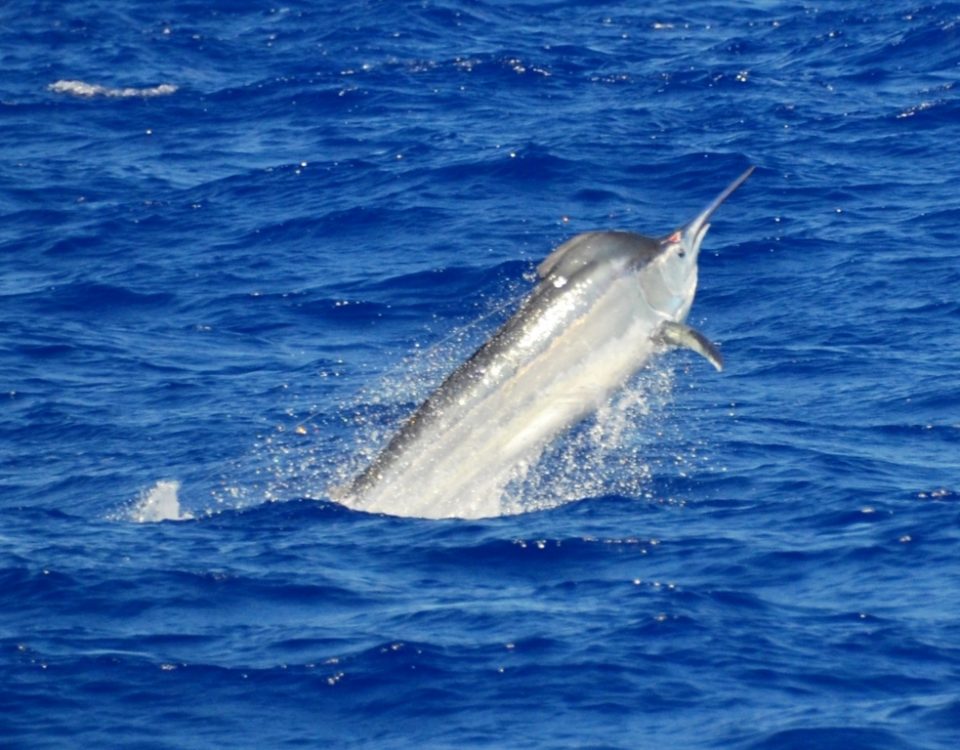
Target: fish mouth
(699,238)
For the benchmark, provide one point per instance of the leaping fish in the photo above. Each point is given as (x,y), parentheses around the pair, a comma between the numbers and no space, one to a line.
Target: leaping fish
(606,302)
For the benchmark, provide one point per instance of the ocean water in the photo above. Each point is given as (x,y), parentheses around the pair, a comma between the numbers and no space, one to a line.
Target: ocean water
(241,241)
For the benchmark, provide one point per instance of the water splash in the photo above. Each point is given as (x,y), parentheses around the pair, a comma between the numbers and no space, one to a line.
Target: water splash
(609,453)
(159,503)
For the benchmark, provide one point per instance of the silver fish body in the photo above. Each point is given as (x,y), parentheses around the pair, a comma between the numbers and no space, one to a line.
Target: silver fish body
(605,303)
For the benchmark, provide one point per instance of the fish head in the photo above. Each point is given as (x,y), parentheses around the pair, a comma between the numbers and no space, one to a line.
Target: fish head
(680,250)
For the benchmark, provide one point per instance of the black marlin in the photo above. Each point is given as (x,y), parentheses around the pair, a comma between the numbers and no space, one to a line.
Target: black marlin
(606,302)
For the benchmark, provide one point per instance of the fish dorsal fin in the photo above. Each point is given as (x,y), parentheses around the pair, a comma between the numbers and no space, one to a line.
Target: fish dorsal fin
(596,247)
(555,259)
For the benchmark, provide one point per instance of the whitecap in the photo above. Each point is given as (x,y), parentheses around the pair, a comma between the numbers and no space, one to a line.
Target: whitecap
(89,90)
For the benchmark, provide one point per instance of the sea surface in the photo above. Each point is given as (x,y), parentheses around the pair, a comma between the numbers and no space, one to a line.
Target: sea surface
(240,241)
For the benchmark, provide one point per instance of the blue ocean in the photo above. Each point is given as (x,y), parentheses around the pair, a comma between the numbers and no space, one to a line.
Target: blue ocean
(242,241)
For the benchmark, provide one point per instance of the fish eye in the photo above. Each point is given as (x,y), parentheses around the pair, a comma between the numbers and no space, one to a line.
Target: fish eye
(676,240)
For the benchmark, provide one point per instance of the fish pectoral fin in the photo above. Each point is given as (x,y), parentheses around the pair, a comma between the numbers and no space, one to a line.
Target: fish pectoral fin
(681,335)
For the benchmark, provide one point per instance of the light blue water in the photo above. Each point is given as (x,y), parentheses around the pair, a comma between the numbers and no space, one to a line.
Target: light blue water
(221,293)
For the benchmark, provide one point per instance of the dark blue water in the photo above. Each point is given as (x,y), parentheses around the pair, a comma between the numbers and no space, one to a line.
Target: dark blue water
(218,293)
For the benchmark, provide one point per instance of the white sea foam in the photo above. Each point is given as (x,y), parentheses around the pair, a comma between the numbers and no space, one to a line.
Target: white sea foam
(159,503)
(89,90)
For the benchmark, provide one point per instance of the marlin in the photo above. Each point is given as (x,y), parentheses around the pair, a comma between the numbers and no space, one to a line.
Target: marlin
(606,302)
